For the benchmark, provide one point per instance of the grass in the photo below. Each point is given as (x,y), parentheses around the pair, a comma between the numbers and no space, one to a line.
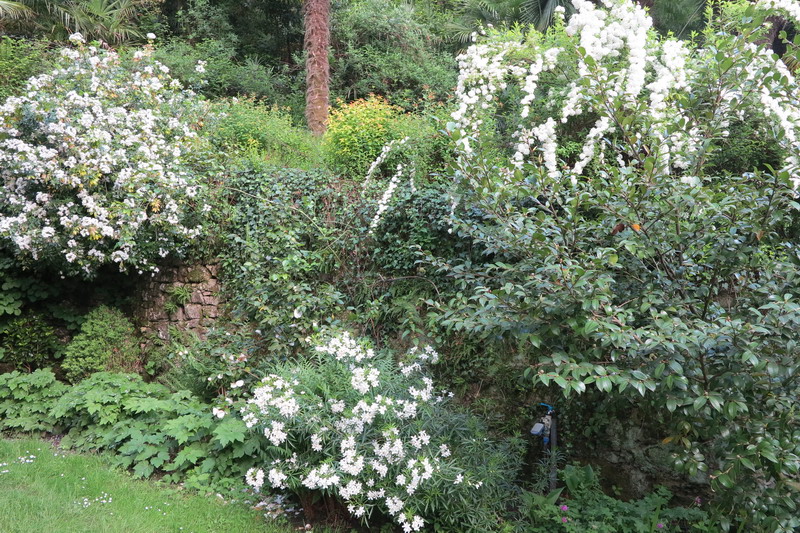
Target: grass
(45,489)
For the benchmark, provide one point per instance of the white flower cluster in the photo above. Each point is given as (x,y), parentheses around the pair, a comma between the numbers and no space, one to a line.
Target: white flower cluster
(789,7)
(92,162)
(255,478)
(385,152)
(274,394)
(383,203)
(631,84)
(365,446)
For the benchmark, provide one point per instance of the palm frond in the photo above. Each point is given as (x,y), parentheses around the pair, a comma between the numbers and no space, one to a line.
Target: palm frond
(107,20)
(14,10)
(540,12)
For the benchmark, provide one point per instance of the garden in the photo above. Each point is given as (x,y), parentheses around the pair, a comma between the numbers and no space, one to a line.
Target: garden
(271,266)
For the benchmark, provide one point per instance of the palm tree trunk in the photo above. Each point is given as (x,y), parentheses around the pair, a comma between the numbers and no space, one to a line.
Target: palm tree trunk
(317,41)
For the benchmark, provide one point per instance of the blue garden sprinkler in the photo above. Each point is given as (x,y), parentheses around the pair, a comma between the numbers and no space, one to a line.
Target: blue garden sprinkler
(546,428)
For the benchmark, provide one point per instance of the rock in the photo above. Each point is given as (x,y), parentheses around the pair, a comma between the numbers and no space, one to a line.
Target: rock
(198,275)
(193,311)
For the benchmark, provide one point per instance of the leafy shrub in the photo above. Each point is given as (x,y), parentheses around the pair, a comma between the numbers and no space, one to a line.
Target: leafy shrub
(414,221)
(201,20)
(589,509)
(358,131)
(205,33)
(26,401)
(746,147)
(150,429)
(206,367)
(145,426)
(347,423)
(647,276)
(223,75)
(18,288)
(285,240)
(248,125)
(381,47)
(97,160)
(106,342)
(19,60)
(29,342)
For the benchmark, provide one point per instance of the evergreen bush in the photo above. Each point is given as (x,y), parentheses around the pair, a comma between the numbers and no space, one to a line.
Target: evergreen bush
(106,342)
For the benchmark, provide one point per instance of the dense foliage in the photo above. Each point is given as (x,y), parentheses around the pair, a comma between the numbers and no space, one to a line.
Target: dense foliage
(385,48)
(631,268)
(593,214)
(105,342)
(148,427)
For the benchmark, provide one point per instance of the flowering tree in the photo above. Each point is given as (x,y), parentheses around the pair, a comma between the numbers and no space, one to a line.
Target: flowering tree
(624,254)
(95,164)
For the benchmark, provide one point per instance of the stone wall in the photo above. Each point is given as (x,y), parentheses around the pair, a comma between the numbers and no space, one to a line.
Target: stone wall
(186,297)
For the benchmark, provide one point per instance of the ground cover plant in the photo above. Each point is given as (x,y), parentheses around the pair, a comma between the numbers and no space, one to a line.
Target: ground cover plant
(43,488)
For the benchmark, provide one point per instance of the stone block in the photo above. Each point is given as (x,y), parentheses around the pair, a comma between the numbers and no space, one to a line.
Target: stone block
(193,311)
(197,297)
(197,274)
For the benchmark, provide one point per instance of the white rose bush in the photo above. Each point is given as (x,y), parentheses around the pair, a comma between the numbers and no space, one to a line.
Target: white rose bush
(349,424)
(96,164)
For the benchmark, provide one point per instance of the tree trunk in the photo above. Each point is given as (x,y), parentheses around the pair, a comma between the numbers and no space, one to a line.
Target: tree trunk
(777,24)
(317,41)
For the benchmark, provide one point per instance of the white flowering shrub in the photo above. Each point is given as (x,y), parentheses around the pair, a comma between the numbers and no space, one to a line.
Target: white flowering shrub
(95,164)
(350,424)
(632,266)
(607,80)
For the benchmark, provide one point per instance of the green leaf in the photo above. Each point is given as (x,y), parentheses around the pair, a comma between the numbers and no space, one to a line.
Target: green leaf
(143,469)
(672,404)
(725,480)
(190,454)
(769,455)
(230,430)
(699,402)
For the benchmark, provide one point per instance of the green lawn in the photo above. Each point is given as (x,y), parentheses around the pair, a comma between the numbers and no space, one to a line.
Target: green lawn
(44,490)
